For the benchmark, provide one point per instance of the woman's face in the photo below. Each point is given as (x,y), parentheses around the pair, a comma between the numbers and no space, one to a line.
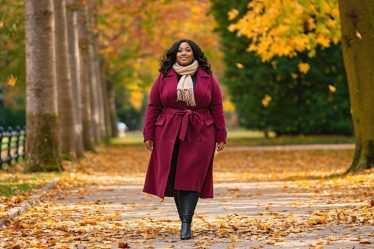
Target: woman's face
(184,54)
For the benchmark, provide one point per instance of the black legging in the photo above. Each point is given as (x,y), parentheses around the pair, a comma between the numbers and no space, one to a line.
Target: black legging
(173,167)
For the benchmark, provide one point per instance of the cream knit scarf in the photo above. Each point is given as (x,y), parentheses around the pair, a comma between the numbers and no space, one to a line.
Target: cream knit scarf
(185,84)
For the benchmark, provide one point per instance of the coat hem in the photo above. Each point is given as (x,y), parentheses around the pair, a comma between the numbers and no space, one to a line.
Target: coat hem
(163,197)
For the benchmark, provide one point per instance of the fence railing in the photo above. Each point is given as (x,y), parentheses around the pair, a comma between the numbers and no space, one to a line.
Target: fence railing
(12,144)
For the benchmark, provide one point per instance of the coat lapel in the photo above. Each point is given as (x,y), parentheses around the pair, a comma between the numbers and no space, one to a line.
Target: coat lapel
(202,84)
(171,80)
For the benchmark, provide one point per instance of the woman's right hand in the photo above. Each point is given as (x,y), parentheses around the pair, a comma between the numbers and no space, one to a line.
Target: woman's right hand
(149,144)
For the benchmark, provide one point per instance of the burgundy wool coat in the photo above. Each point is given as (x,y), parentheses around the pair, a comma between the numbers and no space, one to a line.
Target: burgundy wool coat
(198,128)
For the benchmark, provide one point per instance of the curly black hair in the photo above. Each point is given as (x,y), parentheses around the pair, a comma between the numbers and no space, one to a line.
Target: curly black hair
(170,57)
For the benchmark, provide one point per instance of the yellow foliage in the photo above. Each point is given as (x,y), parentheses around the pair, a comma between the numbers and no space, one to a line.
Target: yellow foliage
(228,106)
(136,96)
(133,35)
(284,28)
(196,9)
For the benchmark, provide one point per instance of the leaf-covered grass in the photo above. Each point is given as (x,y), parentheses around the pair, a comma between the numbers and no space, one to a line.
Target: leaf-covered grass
(243,137)
(16,186)
(16,183)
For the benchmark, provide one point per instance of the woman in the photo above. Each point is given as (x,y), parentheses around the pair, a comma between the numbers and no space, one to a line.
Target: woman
(184,124)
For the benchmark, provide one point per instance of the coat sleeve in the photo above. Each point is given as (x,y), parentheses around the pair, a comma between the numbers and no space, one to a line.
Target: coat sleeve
(154,109)
(216,108)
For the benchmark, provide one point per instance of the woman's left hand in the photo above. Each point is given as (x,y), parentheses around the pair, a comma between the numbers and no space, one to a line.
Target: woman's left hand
(220,145)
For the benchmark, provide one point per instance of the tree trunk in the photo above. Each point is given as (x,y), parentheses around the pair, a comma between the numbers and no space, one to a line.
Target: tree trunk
(71,8)
(357,24)
(85,71)
(94,81)
(64,86)
(112,106)
(108,124)
(100,89)
(42,142)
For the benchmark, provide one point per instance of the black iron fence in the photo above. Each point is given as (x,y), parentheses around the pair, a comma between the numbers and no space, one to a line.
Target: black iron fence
(12,144)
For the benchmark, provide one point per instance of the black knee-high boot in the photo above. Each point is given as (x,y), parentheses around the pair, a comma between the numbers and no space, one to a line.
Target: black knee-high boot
(188,201)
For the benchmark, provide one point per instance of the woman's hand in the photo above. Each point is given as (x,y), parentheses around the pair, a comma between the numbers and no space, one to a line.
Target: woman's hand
(149,144)
(220,145)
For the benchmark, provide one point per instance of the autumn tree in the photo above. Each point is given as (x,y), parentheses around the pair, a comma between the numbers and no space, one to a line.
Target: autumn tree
(286,28)
(282,95)
(133,35)
(42,150)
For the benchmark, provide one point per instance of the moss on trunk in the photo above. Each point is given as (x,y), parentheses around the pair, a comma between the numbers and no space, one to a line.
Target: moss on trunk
(42,143)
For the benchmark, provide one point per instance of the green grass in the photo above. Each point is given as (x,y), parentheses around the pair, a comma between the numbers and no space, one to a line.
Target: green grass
(11,184)
(6,190)
(249,138)
(241,137)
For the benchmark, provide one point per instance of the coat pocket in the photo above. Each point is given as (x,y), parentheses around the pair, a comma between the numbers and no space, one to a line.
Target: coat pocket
(160,120)
(209,120)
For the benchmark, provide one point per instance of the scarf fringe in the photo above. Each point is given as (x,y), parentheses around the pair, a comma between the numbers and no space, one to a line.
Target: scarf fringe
(186,95)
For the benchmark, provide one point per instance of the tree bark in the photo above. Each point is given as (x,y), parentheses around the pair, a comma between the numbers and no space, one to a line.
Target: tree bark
(112,106)
(357,25)
(72,23)
(108,124)
(95,104)
(42,142)
(64,86)
(84,46)
(100,89)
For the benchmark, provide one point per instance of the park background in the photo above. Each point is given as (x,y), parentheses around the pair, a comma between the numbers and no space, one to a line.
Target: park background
(283,78)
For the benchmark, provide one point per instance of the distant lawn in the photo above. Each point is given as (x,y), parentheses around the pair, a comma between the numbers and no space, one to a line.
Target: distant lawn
(243,137)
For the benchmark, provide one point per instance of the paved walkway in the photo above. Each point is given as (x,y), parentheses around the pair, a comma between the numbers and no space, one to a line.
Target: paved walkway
(242,215)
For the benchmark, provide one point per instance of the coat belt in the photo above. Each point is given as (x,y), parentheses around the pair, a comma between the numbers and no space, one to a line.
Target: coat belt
(188,117)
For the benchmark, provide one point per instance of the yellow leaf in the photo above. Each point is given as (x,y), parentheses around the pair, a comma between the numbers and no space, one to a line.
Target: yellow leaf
(239,65)
(304,67)
(266,100)
(12,80)
(332,89)
(233,13)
